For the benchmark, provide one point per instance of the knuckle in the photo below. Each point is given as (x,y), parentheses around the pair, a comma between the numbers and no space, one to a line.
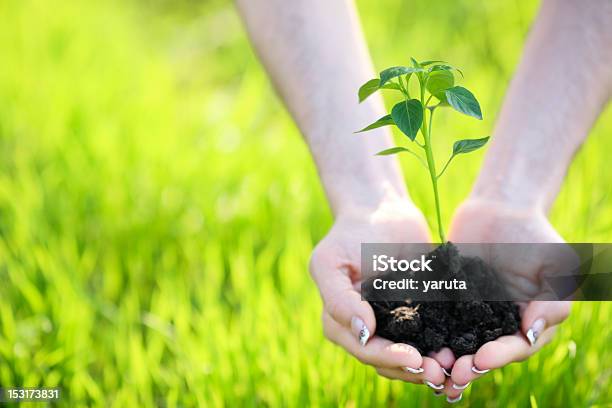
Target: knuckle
(362,358)
(312,263)
(334,307)
(566,309)
(318,258)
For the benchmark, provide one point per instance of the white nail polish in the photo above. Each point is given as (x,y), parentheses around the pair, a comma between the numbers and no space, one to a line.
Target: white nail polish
(361,330)
(432,385)
(413,370)
(535,330)
(477,371)
(446,372)
(453,400)
(461,387)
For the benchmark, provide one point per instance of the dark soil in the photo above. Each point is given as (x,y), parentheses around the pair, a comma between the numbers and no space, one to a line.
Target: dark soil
(462,325)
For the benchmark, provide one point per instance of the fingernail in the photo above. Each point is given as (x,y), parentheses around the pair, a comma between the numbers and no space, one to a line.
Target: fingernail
(413,370)
(461,387)
(446,372)
(432,385)
(535,330)
(438,393)
(360,330)
(477,371)
(453,400)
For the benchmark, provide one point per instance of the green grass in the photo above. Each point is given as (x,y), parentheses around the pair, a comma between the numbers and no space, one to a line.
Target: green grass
(158,209)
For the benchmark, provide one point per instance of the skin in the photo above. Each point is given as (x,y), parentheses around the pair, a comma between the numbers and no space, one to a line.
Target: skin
(316,56)
(518,182)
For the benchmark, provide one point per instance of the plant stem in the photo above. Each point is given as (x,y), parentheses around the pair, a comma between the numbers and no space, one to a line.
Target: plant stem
(426,131)
(445,166)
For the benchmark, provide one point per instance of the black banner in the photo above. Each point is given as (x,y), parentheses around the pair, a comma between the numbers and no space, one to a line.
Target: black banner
(486,272)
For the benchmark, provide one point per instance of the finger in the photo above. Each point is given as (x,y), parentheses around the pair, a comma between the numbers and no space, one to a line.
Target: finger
(378,352)
(462,376)
(445,358)
(432,374)
(539,315)
(398,374)
(452,395)
(508,349)
(340,300)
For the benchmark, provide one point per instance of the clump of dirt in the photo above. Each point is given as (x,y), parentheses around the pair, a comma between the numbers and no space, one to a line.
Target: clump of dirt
(462,325)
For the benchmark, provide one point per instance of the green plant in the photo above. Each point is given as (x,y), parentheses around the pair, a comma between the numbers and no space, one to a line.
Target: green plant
(436,81)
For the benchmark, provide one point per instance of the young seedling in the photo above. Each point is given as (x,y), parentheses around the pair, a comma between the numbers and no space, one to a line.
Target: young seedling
(436,86)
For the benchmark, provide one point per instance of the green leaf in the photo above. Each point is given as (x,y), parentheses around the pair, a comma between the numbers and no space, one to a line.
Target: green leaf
(372,86)
(415,63)
(468,145)
(408,116)
(384,121)
(444,67)
(426,63)
(391,85)
(393,150)
(394,72)
(368,89)
(438,82)
(463,101)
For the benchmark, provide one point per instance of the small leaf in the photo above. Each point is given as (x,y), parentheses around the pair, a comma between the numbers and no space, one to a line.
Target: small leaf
(438,82)
(391,85)
(393,150)
(468,145)
(408,116)
(384,121)
(368,89)
(445,67)
(426,63)
(394,72)
(415,63)
(463,101)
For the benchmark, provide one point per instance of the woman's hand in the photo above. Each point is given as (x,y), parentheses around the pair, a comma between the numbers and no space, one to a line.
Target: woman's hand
(349,321)
(494,222)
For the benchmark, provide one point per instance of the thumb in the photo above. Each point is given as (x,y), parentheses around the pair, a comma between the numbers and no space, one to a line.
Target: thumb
(539,315)
(340,299)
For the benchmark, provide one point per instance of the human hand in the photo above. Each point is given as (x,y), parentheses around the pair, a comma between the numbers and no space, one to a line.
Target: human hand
(347,320)
(493,222)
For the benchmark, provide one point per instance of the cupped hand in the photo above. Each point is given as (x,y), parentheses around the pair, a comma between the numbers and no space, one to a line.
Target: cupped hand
(493,222)
(349,321)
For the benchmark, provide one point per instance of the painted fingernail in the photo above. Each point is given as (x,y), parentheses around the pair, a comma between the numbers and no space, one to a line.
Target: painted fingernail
(446,372)
(477,371)
(432,385)
(438,393)
(461,387)
(453,400)
(535,330)
(360,330)
(413,370)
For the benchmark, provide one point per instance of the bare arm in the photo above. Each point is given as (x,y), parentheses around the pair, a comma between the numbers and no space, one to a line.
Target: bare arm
(561,86)
(316,55)
(559,90)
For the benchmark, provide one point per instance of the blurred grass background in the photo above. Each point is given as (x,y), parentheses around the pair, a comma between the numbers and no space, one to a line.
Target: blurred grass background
(158,209)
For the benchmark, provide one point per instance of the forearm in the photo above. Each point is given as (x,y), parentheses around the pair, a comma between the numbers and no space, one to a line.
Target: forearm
(316,55)
(559,89)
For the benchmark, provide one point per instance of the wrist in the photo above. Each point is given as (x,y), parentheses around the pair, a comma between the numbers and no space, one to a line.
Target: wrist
(509,185)
(485,205)
(392,204)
